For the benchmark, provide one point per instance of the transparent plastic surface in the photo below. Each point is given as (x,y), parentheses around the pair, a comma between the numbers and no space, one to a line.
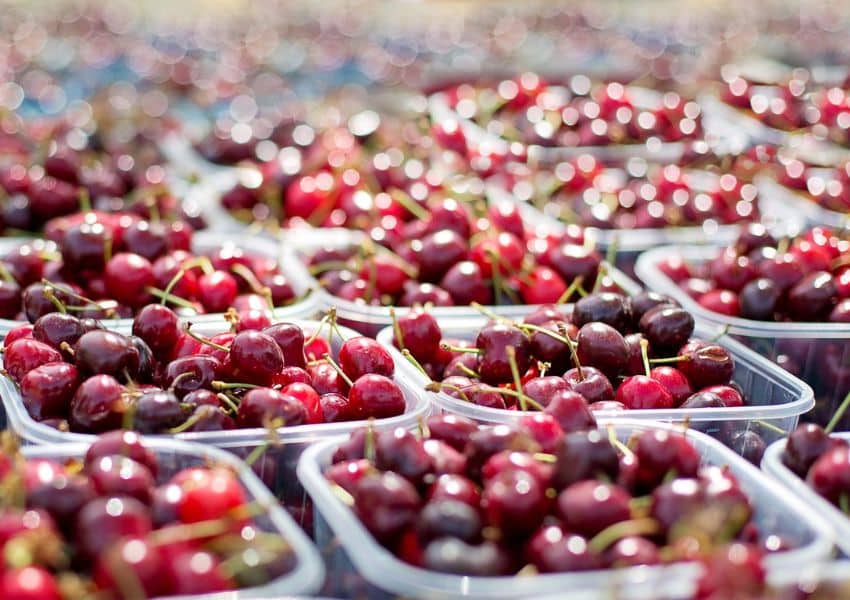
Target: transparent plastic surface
(817,353)
(276,467)
(775,399)
(173,455)
(204,242)
(776,197)
(347,545)
(838,521)
(367,319)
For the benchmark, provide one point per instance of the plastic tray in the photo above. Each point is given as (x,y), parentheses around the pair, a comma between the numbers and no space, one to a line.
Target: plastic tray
(780,398)
(777,196)
(277,467)
(309,572)
(806,343)
(344,540)
(207,241)
(839,522)
(371,319)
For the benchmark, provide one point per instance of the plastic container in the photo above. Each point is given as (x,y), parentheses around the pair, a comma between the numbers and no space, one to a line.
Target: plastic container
(367,319)
(776,398)
(819,353)
(277,466)
(838,521)
(205,242)
(309,572)
(776,196)
(344,541)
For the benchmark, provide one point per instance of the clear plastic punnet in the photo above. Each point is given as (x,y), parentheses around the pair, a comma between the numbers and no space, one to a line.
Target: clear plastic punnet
(307,575)
(838,521)
(276,467)
(371,319)
(349,549)
(776,196)
(775,399)
(818,353)
(208,241)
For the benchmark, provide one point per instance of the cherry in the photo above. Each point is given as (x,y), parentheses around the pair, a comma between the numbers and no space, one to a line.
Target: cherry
(361,355)
(643,302)
(111,475)
(451,429)
(131,555)
(642,392)
(508,460)
(122,443)
(759,299)
(156,411)
(424,293)
(674,382)
(609,308)
(217,290)
(484,443)
(127,277)
(829,474)
(256,356)
(386,503)
(545,429)
(543,389)
(438,252)
(706,364)
(107,353)
(290,340)
(466,284)
(209,494)
(812,298)
(157,325)
(25,354)
(515,502)
(572,261)
(56,328)
(455,487)
(448,518)
(590,383)
(588,507)
(551,350)
(555,551)
(733,570)
(667,328)
(571,411)
(727,394)
(723,302)
(327,380)
(98,404)
(544,285)
(603,347)
(659,453)
(452,555)
(196,572)
(731,271)
(703,399)
(804,445)
(584,455)
(493,341)
(377,397)
(749,445)
(29,583)
(676,500)
(261,406)
(633,551)
(47,390)
(104,521)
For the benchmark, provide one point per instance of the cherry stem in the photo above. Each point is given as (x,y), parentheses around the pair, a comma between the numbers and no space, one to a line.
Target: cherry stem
(85,200)
(60,306)
(545,457)
(672,359)
(512,393)
(412,360)
(369,443)
(338,369)
(190,422)
(221,386)
(771,427)
(844,503)
(399,338)
(469,372)
(258,452)
(511,352)
(229,401)
(615,441)
(165,296)
(487,312)
(644,354)
(437,386)
(458,349)
(203,529)
(543,367)
(328,265)
(408,203)
(555,336)
(571,289)
(836,417)
(187,328)
(342,494)
(611,534)
(67,290)
(723,331)
(67,348)
(254,283)
(5,274)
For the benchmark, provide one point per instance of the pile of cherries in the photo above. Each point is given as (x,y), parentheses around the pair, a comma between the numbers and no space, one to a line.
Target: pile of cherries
(75,375)
(829,188)
(822,460)
(760,277)
(116,524)
(527,109)
(451,257)
(640,196)
(539,498)
(106,265)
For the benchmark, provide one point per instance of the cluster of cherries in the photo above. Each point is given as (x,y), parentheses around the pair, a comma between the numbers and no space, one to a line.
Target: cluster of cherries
(75,375)
(583,191)
(106,265)
(796,103)
(830,188)
(539,498)
(760,277)
(116,524)
(823,461)
(610,353)
(450,257)
(529,110)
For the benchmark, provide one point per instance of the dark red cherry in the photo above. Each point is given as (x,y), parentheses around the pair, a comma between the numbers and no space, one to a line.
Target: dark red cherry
(47,390)
(290,339)
(633,552)
(133,555)
(451,555)
(112,475)
(591,383)
(377,396)
(122,443)
(449,518)
(676,500)
(196,572)
(25,354)
(706,365)
(106,353)
(104,521)
(674,381)
(571,411)
(56,328)
(805,444)
(585,455)
(158,326)
(642,392)
(611,309)
(189,373)
(588,507)
(812,298)
(759,299)
(156,411)
(667,328)
(386,504)
(452,429)
(98,405)
(555,551)
(493,341)
(515,502)
(261,406)
(361,355)
(660,453)
(256,356)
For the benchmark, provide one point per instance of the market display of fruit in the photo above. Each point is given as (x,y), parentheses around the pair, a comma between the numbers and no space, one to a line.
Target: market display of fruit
(232,233)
